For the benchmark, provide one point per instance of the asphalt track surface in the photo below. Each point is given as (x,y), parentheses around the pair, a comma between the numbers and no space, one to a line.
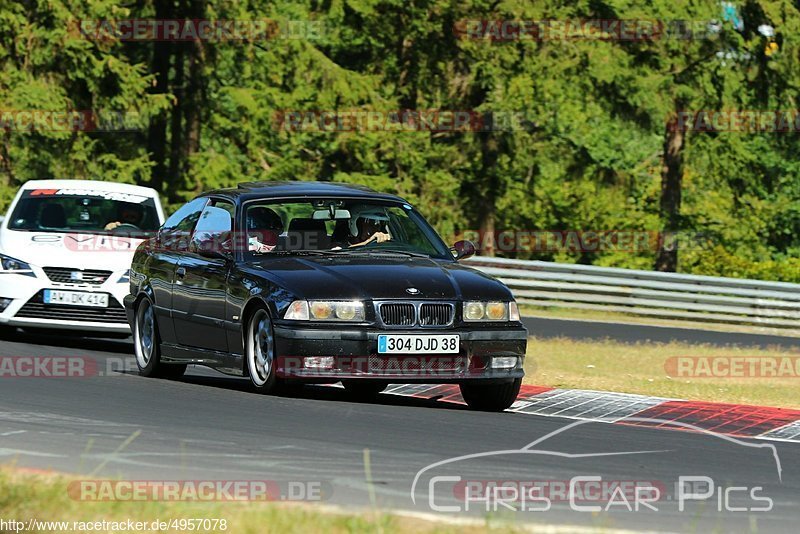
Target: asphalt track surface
(207,426)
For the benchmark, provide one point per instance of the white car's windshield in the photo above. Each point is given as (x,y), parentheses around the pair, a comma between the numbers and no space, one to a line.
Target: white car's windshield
(83,211)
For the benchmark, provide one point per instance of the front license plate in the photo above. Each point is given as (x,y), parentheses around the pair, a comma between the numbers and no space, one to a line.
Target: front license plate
(76,298)
(412,344)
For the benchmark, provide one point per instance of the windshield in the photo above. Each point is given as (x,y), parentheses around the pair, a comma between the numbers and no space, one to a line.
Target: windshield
(84,211)
(337,226)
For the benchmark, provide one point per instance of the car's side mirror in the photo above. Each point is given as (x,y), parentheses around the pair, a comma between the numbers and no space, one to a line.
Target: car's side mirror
(463,249)
(211,245)
(212,235)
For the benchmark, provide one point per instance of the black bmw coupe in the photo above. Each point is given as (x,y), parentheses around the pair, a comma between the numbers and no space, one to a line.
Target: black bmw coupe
(308,282)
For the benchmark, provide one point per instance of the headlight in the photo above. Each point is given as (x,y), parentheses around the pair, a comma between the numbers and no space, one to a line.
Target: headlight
(125,278)
(12,264)
(490,311)
(325,310)
(473,311)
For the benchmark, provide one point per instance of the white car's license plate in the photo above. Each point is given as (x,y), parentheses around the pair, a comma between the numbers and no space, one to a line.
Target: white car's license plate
(414,344)
(76,298)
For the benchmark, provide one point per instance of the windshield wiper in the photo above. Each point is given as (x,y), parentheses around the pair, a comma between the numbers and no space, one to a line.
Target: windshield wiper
(301,252)
(342,252)
(391,251)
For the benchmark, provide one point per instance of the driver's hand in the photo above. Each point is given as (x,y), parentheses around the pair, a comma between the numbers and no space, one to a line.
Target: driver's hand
(257,246)
(112,225)
(381,237)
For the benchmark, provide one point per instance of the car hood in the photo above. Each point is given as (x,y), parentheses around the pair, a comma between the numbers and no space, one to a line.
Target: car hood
(82,251)
(379,278)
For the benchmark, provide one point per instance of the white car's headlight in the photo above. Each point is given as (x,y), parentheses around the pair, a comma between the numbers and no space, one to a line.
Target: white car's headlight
(326,310)
(475,311)
(125,278)
(12,264)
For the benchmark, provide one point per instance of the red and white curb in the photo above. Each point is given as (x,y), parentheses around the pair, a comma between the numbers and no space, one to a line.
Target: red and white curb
(737,420)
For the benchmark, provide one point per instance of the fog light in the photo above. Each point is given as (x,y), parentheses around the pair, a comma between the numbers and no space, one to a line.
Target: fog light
(324,362)
(504,362)
(4,304)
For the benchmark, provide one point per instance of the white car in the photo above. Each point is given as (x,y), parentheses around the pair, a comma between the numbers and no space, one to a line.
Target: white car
(65,253)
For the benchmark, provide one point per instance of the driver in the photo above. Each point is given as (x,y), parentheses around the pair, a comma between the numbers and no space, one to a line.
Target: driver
(127,213)
(263,228)
(368,226)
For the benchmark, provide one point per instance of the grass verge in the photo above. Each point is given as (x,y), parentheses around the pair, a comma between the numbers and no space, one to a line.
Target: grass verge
(642,368)
(548,312)
(44,497)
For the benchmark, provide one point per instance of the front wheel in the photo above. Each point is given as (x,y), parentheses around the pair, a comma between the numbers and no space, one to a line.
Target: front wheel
(146,345)
(491,397)
(7,332)
(260,352)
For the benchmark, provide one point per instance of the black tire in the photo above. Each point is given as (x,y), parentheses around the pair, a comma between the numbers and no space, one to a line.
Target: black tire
(491,397)
(171,371)
(364,389)
(7,332)
(259,352)
(147,344)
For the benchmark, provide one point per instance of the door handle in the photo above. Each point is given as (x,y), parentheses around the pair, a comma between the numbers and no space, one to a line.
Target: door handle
(180,272)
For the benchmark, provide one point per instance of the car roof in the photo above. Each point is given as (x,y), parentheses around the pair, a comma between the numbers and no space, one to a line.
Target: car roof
(112,187)
(299,189)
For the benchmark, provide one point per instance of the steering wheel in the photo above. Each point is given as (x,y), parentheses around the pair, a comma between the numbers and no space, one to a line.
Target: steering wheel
(125,227)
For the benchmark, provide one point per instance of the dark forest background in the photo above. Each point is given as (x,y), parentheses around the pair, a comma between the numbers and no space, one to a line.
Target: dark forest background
(597,152)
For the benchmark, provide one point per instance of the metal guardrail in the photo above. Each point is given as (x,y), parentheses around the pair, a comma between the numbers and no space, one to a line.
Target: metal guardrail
(647,293)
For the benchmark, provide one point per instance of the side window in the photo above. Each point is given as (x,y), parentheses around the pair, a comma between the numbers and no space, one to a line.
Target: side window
(186,216)
(177,230)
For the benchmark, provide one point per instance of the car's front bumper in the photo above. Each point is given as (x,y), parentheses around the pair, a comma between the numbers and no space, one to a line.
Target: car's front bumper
(25,310)
(354,355)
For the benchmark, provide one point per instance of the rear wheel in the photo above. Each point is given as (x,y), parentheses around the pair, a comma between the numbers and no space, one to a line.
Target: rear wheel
(491,397)
(147,347)
(260,352)
(364,389)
